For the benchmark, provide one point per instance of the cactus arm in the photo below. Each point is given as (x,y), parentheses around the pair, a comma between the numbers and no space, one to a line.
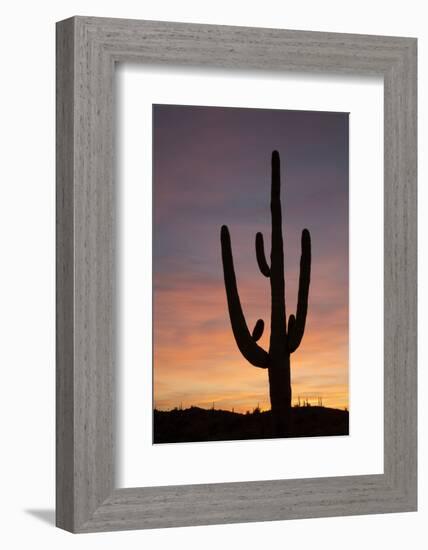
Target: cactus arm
(277,346)
(291,326)
(258,330)
(296,326)
(247,345)
(260,254)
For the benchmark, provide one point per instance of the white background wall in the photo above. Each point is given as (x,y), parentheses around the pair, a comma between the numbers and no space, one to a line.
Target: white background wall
(27,271)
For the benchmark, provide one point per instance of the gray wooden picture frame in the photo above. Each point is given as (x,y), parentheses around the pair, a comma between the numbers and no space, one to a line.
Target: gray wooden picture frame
(86,497)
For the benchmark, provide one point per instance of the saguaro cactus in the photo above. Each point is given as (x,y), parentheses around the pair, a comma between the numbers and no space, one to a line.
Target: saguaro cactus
(284,339)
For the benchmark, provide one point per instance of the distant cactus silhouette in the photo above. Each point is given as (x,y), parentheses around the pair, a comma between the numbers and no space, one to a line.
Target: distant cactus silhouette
(284,339)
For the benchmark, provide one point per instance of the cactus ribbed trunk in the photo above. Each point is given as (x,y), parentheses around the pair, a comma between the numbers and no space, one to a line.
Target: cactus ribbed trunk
(280,396)
(283,340)
(279,365)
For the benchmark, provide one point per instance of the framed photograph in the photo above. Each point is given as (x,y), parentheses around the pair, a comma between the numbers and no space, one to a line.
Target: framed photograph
(236,274)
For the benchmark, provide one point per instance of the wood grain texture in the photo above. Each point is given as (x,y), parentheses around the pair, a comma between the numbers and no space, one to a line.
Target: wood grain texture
(64,276)
(87,50)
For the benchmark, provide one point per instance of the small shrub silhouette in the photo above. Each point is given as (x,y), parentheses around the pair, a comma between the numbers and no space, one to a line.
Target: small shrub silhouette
(284,338)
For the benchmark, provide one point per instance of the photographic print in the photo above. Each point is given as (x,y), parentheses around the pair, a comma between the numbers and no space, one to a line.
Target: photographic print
(250,273)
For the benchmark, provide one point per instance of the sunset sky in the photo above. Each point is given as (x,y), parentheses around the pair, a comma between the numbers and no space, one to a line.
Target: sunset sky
(211,167)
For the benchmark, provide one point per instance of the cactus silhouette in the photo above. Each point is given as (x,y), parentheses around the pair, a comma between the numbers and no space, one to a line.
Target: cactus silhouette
(284,339)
